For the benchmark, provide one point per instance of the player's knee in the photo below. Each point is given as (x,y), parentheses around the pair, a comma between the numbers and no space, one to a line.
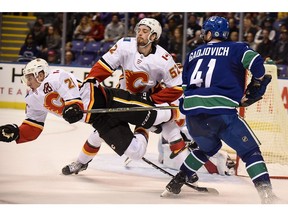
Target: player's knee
(171,132)
(95,140)
(137,147)
(162,116)
(251,155)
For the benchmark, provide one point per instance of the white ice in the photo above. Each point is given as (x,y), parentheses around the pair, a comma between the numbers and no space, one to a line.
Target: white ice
(30,173)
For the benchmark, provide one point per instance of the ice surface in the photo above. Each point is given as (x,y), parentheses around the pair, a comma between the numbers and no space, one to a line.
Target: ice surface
(31,174)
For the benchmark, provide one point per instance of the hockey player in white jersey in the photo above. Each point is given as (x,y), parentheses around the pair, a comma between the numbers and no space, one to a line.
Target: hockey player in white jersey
(145,67)
(57,92)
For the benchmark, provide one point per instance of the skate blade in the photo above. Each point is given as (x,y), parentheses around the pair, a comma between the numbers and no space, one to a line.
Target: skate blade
(127,161)
(167,193)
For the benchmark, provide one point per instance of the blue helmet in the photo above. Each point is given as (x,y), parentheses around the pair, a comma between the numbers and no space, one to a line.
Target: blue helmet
(218,26)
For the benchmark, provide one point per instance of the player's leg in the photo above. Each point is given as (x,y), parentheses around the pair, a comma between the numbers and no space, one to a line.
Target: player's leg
(208,144)
(119,136)
(146,119)
(171,132)
(245,143)
(87,153)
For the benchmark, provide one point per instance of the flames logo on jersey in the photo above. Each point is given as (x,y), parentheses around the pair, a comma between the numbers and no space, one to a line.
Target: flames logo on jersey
(54,103)
(136,81)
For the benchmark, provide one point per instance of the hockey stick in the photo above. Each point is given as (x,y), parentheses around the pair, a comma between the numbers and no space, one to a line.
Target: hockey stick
(199,189)
(128,109)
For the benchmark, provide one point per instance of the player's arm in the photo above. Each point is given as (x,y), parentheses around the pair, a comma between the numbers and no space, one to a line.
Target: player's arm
(167,95)
(172,81)
(67,88)
(255,90)
(29,130)
(253,62)
(100,71)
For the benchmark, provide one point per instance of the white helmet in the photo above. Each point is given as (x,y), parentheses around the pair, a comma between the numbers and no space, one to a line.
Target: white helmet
(153,24)
(34,67)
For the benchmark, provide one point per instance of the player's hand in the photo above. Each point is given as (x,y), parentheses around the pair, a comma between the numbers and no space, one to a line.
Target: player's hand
(257,88)
(146,96)
(9,132)
(72,113)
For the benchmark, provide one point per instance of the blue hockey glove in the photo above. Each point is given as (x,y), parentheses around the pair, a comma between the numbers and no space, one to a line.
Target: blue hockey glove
(256,89)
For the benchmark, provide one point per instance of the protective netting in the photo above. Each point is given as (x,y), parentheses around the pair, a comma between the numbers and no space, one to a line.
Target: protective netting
(269,121)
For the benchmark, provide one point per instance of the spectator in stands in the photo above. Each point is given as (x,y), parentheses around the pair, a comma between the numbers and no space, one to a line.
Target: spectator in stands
(268,25)
(197,41)
(282,27)
(233,36)
(131,28)
(53,42)
(192,27)
(176,43)
(165,36)
(58,23)
(260,18)
(168,30)
(53,57)
(38,35)
(29,49)
(248,27)
(280,52)
(176,17)
(250,41)
(41,21)
(114,30)
(265,47)
(233,25)
(96,32)
(69,59)
(68,46)
(82,29)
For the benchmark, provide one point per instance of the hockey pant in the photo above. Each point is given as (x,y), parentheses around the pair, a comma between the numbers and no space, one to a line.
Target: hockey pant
(209,130)
(114,128)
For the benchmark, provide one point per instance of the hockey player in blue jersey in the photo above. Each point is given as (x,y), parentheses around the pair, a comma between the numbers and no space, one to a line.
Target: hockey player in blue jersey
(213,83)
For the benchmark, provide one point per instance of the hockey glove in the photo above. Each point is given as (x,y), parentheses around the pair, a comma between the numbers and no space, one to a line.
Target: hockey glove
(256,89)
(145,96)
(9,132)
(72,113)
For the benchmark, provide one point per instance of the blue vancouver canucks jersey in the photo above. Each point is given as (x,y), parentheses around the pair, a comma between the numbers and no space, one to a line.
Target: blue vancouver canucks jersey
(214,77)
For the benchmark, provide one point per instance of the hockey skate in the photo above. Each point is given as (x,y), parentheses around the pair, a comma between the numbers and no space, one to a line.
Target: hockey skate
(74,167)
(266,194)
(127,161)
(175,185)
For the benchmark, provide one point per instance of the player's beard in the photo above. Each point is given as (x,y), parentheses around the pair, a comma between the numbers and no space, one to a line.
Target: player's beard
(141,42)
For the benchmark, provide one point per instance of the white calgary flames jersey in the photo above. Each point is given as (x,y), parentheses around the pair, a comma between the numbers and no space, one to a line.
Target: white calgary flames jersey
(59,88)
(142,73)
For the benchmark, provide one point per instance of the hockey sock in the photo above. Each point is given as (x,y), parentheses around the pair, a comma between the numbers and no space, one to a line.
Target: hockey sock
(88,153)
(177,145)
(193,162)
(142,131)
(257,170)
